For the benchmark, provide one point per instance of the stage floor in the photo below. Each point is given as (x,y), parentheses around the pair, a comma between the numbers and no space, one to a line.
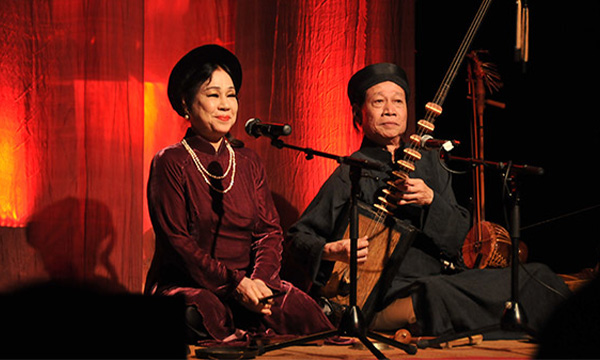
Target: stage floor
(497,349)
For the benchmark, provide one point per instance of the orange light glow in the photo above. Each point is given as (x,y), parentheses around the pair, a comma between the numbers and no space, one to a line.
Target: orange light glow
(15,204)
(8,208)
(151,110)
(162,127)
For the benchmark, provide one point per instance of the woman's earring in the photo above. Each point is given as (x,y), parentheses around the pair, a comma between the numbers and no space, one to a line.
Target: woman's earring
(186,116)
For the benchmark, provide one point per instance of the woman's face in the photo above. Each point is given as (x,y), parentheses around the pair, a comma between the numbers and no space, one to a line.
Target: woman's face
(214,108)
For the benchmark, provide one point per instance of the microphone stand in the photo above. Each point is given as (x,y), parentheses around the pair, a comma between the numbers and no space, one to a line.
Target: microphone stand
(516,168)
(513,318)
(352,322)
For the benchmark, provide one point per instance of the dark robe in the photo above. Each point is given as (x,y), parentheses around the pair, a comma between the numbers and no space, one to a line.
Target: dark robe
(206,241)
(444,302)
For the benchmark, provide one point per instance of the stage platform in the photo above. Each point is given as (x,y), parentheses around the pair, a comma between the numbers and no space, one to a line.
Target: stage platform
(493,349)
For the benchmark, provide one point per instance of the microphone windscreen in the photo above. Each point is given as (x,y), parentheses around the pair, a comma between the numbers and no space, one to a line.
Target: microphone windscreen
(249,127)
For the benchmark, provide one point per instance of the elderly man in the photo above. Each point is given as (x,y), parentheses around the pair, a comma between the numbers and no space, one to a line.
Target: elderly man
(422,296)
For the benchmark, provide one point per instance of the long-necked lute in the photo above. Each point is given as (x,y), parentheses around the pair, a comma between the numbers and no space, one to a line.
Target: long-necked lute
(487,244)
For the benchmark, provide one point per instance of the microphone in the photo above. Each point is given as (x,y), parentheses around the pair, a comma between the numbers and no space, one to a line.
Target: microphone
(254,127)
(428,142)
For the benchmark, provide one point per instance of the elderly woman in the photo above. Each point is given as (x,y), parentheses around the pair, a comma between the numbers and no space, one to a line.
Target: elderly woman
(218,237)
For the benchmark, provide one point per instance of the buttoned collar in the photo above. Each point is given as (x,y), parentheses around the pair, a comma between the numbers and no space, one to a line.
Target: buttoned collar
(199,143)
(378,152)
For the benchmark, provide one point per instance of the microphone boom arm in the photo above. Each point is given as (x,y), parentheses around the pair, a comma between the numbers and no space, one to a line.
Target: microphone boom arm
(524,169)
(348,160)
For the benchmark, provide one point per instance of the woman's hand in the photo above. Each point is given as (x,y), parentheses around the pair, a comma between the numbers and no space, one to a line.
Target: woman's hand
(250,291)
(340,250)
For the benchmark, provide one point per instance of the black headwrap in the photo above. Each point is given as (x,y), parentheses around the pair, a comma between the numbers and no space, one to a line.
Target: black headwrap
(372,75)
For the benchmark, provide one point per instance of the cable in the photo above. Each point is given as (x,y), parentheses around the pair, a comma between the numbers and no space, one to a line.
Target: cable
(543,284)
(560,217)
(507,193)
(445,167)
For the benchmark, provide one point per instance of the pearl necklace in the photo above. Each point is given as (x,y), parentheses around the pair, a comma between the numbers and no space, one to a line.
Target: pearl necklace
(231,167)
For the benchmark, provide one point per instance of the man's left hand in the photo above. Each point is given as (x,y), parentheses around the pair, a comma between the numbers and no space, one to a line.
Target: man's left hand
(413,191)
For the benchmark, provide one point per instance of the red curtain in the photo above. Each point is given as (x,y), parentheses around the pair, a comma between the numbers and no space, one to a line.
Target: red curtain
(72,120)
(83,109)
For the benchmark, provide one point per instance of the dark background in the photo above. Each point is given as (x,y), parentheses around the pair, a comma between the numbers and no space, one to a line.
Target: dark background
(549,119)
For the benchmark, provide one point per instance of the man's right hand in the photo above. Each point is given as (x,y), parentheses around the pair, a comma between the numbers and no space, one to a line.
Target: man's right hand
(340,250)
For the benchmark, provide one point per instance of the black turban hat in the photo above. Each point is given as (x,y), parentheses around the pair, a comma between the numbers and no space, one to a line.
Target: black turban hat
(185,71)
(372,75)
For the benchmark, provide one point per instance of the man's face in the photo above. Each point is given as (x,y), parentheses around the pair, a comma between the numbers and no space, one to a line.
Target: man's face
(384,113)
